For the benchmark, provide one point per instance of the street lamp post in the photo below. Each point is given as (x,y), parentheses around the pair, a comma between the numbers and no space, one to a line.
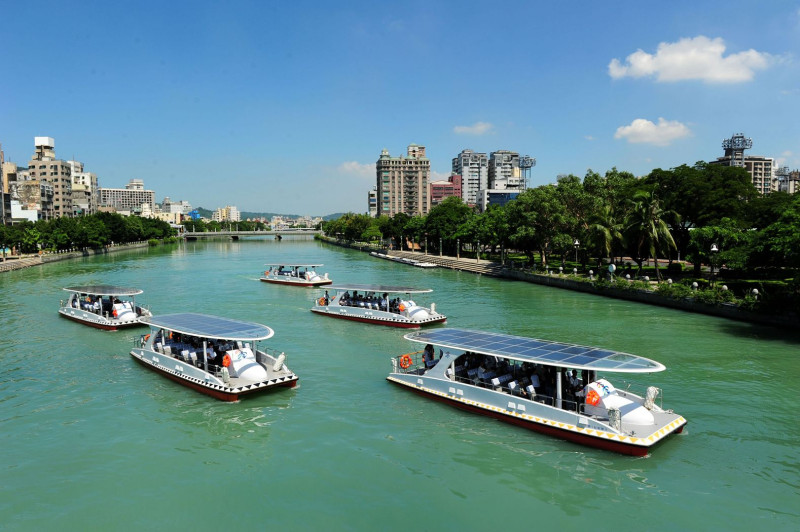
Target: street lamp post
(426,243)
(478,252)
(440,246)
(458,248)
(714,251)
(577,244)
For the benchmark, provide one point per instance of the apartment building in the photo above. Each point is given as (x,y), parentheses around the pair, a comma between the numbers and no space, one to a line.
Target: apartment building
(760,168)
(44,166)
(445,189)
(132,198)
(402,182)
(473,168)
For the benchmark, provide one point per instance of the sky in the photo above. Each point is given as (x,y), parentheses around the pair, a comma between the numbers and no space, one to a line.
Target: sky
(285,106)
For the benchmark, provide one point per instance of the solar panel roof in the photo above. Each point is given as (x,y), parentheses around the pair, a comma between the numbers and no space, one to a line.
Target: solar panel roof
(380,288)
(104,290)
(537,351)
(206,326)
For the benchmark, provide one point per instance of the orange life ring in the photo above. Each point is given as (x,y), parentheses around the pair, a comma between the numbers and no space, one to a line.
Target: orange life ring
(592,398)
(146,337)
(321,301)
(226,360)
(115,313)
(405,361)
(402,307)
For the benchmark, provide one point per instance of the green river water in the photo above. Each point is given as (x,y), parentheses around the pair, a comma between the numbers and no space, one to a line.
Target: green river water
(90,440)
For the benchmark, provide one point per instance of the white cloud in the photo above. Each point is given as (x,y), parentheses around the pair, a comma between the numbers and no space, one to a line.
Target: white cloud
(698,58)
(356,168)
(478,128)
(646,132)
(439,176)
(588,137)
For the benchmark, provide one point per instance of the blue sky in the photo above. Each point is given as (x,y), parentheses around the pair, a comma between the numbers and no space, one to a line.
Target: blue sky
(285,107)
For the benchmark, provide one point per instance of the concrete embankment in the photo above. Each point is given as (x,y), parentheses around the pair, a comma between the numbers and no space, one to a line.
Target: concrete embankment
(44,258)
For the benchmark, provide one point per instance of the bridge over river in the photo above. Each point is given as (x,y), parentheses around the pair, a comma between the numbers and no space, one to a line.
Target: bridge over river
(235,235)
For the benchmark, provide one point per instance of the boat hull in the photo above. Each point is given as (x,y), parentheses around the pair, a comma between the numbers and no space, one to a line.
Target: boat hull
(218,392)
(98,322)
(321,282)
(591,438)
(380,320)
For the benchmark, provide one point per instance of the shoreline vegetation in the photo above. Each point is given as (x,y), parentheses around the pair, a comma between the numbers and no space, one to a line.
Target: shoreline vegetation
(709,300)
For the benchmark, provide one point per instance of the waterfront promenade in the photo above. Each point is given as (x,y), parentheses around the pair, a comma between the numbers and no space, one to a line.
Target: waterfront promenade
(582,282)
(27,261)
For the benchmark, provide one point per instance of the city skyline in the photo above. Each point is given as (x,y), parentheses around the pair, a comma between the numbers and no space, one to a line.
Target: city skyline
(287,109)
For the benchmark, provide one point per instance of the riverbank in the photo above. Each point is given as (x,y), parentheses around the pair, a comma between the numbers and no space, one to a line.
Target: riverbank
(27,261)
(583,283)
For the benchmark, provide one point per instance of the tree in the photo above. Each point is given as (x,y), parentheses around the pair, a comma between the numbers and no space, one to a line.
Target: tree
(646,231)
(445,220)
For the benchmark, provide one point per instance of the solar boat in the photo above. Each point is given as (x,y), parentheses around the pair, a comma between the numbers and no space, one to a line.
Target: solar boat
(294,275)
(103,306)
(216,356)
(378,304)
(554,388)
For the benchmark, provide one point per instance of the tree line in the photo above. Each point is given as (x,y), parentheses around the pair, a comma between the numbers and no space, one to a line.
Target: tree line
(92,231)
(705,214)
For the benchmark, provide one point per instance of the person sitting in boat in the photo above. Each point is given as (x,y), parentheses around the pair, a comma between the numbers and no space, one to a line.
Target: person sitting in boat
(428,356)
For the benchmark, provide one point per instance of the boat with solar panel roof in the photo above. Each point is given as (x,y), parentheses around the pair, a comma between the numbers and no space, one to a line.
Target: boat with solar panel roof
(103,306)
(379,304)
(217,356)
(555,388)
(294,275)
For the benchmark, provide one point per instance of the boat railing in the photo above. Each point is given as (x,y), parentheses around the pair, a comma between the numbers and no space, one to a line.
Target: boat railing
(262,352)
(641,397)
(401,364)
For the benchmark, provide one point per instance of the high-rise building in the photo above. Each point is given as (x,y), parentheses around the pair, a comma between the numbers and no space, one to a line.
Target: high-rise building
(504,170)
(445,189)
(5,197)
(84,190)
(372,202)
(44,166)
(131,198)
(474,171)
(787,180)
(402,182)
(227,213)
(760,168)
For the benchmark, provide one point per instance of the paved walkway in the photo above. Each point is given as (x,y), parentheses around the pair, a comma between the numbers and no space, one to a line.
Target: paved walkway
(485,267)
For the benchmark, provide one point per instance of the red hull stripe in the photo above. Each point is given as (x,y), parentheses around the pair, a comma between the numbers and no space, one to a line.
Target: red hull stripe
(217,394)
(590,441)
(298,283)
(401,324)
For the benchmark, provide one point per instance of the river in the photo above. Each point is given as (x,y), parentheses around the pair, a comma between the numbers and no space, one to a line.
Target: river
(91,440)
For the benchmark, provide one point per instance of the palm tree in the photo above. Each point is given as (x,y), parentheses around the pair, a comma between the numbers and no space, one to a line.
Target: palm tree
(646,229)
(604,231)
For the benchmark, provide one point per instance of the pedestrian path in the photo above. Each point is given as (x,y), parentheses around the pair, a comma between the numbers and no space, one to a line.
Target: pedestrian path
(485,267)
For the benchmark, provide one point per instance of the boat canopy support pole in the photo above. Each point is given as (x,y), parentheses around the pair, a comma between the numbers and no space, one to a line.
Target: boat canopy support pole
(205,357)
(558,388)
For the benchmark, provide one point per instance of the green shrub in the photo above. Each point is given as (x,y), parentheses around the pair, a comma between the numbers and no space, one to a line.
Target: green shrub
(675,267)
(153,242)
